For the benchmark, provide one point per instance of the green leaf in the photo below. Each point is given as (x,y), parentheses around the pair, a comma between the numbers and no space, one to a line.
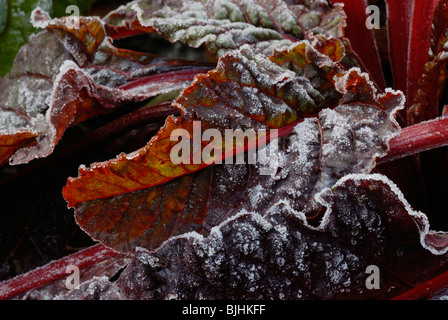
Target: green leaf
(16,28)
(3,14)
(60,7)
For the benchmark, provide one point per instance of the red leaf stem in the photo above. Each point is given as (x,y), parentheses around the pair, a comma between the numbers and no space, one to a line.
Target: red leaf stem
(54,270)
(418,138)
(163,78)
(409,26)
(419,42)
(399,21)
(425,289)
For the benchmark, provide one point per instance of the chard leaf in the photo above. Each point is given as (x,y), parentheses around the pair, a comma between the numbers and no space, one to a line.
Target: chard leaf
(279,255)
(16,25)
(142,199)
(225,25)
(309,230)
(78,75)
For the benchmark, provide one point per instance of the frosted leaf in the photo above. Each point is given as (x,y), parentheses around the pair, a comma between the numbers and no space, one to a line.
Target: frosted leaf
(348,125)
(191,24)
(343,140)
(279,256)
(266,14)
(76,75)
(225,25)
(307,231)
(317,18)
(219,35)
(289,20)
(11,121)
(254,85)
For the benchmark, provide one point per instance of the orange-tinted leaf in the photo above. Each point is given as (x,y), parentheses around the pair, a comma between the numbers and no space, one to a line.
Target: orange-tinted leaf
(245,91)
(11,142)
(367,227)
(76,75)
(263,94)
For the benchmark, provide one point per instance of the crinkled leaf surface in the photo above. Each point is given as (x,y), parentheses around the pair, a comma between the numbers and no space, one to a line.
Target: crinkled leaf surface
(224,25)
(113,199)
(278,254)
(77,74)
(241,234)
(310,229)
(227,24)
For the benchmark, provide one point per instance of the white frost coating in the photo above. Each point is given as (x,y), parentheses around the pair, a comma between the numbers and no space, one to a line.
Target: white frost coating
(305,136)
(134,6)
(243,212)
(44,149)
(394,111)
(300,215)
(11,121)
(39,23)
(197,237)
(194,25)
(260,70)
(341,85)
(256,194)
(190,10)
(423,227)
(146,258)
(261,221)
(246,78)
(215,232)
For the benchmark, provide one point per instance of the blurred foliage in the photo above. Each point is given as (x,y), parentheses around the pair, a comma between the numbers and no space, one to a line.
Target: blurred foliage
(15,25)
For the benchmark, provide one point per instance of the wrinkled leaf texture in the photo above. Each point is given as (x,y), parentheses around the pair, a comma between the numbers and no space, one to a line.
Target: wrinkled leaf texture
(248,89)
(307,231)
(278,255)
(78,75)
(333,123)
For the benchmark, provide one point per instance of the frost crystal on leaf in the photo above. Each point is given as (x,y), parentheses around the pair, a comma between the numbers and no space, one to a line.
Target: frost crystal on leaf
(207,230)
(76,76)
